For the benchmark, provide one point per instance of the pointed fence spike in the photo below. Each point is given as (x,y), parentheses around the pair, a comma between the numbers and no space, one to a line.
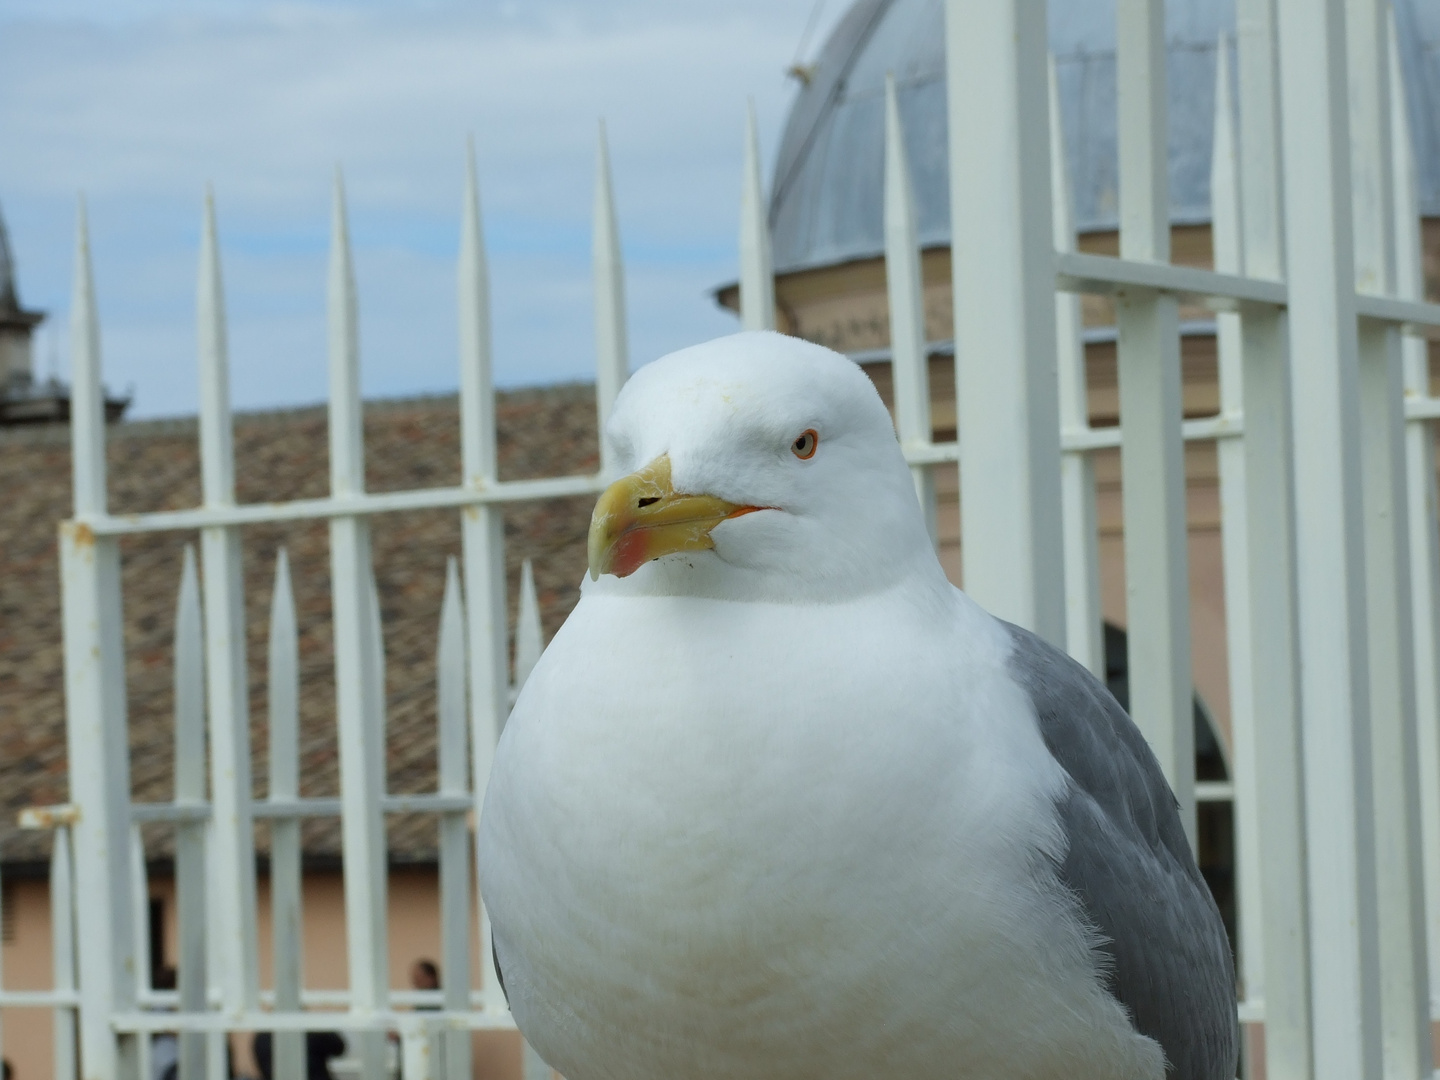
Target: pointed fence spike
(1084,624)
(612,363)
(359,658)
(217,454)
(455,839)
(483,548)
(1229,255)
(757,278)
(190,884)
(909,359)
(1228,244)
(477,390)
(529,636)
(283,667)
(87,393)
(902,274)
(189,686)
(347,453)
(450,686)
(231,835)
(1062,215)
(1227,233)
(286,902)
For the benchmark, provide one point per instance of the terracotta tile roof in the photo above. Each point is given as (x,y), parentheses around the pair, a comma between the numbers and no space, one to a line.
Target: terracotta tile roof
(279,455)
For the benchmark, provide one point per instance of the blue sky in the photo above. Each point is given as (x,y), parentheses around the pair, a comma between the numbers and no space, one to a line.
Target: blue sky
(139,103)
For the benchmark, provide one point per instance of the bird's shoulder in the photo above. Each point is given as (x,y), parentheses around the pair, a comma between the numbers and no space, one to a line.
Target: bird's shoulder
(1161,942)
(1096,742)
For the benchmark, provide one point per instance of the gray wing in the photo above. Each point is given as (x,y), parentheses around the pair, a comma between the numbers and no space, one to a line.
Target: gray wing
(1168,960)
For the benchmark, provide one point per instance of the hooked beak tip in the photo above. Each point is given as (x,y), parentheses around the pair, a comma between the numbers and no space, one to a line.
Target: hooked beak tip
(641,518)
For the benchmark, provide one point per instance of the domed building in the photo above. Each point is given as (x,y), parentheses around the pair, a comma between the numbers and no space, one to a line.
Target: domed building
(826,219)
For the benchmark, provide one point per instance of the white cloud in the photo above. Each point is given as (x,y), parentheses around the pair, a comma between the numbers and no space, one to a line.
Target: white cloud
(141,109)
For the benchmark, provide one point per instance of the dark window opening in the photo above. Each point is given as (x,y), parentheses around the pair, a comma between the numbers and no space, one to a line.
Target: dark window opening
(1215,825)
(7,913)
(157,939)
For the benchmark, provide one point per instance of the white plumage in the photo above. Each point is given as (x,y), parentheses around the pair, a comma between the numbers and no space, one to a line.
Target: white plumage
(795,807)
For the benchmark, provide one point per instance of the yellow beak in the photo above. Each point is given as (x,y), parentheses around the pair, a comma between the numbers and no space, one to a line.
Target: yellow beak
(641,517)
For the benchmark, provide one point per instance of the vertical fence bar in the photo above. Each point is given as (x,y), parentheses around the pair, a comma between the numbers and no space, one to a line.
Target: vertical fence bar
(909,360)
(1084,626)
(376,711)
(1152,459)
(190,869)
(482,535)
(1275,808)
(62,951)
(612,356)
(2,982)
(1424,542)
(454,1063)
(87,392)
(477,390)
(1399,874)
(757,275)
(97,745)
(216,1042)
(217,1054)
(286,899)
(144,946)
(529,636)
(227,681)
(1330,564)
(417,1054)
(1002,247)
(361,757)
(1228,246)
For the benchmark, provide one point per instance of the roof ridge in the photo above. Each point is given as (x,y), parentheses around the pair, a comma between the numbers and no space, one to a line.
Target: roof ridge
(166,426)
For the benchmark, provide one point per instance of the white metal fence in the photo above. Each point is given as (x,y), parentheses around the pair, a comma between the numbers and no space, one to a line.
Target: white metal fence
(201,1054)
(214,851)
(1330,549)
(1325,463)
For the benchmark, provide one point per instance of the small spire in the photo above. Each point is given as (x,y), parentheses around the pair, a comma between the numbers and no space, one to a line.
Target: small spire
(9,297)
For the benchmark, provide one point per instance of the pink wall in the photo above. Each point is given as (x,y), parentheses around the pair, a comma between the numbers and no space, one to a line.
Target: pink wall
(414,907)
(27,1033)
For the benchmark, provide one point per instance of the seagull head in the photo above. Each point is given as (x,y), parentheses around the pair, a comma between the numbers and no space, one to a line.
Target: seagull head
(759,466)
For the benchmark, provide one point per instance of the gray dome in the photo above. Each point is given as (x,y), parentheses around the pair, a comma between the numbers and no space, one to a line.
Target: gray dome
(826,200)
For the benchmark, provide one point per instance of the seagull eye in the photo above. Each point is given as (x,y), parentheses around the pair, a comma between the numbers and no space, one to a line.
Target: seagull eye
(804,446)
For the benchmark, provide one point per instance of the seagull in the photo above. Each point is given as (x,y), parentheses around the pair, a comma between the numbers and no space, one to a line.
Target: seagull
(779,802)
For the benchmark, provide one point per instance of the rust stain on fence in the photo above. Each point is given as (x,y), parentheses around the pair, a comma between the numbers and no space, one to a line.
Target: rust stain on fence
(49,817)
